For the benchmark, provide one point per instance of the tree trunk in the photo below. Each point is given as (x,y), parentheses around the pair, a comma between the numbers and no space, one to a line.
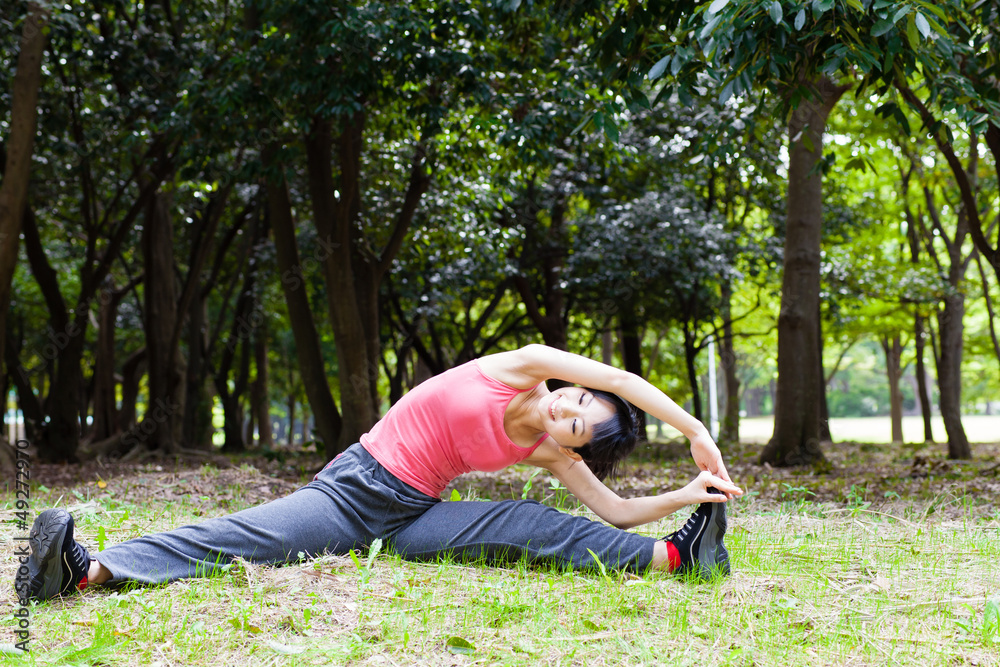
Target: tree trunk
(913,240)
(19,146)
(921,371)
(950,317)
(307,345)
(196,427)
(132,371)
(632,350)
(991,317)
(796,435)
(950,330)
(62,433)
(63,352)
(547,316)
(105,422)
(246,319)
(17,172)
(354,270)
(825,435)
(261,403)
(163,408)
(691,363)
(335,221)
(31,408)
(893,349)
(730,428)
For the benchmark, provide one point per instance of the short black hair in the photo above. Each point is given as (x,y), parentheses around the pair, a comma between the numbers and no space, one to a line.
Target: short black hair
(613,439)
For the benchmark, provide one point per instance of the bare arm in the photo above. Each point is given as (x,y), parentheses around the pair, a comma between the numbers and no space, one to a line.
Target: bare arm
(624,512)
(532,364)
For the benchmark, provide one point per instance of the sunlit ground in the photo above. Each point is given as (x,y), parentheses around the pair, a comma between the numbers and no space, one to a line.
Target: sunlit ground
(978,428)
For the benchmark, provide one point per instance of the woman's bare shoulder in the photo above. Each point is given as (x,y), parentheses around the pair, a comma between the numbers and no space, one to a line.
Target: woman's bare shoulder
(514,368)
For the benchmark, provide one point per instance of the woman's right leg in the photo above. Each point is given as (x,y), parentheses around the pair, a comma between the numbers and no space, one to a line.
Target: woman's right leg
(349,504)
(510,530)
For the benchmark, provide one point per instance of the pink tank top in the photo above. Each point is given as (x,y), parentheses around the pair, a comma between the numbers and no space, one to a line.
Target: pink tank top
(447,425)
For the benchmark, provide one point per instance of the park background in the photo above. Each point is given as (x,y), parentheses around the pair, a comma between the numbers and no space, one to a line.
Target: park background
(231,235)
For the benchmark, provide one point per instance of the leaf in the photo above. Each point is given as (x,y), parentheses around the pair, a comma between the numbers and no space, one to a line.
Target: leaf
(912,34)
(354,557)
(727,92)
(808,143)
(903,11)
(800,19)
(991,618)
(717,6)
(604,570)
(676,64)
(901,119)
(656,71)
(611,129)
(373,550)
(777,14)
(455,495)
(820,7)
(856,164)
(881,27)
(887,109)
(709,28)
(460,646)
(923,26)
(583,124)
(244,625)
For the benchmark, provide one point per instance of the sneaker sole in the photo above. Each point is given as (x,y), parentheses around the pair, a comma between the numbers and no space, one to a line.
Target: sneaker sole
(713,558)
(45,567)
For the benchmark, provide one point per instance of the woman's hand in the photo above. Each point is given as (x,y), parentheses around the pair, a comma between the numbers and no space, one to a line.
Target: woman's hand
(698,490)
(707,456)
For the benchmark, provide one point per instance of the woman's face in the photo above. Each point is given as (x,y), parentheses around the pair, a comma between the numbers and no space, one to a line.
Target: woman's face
(571,413)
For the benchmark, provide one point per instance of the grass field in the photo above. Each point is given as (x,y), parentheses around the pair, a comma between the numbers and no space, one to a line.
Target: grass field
(890,559)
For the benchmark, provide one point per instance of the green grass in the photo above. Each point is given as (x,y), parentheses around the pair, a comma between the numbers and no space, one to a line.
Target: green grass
(826,571)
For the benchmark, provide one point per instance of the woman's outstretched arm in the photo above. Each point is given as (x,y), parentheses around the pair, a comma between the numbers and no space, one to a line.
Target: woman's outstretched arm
(624,512)
(532,364)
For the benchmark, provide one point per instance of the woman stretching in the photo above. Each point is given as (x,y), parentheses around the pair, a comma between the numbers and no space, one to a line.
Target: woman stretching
(484,415)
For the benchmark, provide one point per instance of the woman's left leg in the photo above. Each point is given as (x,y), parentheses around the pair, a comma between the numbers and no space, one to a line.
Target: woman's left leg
(513,529)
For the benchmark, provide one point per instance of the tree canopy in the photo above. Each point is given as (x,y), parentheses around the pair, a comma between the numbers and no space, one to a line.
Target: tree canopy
(233,218)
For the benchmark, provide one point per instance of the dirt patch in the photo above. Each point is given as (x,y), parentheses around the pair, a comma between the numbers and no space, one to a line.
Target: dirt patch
(879,475)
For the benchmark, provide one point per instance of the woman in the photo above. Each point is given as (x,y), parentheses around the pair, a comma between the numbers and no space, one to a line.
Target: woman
(484,415)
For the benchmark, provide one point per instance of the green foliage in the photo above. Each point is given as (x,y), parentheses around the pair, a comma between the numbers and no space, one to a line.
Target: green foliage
(784,46)
(550,167)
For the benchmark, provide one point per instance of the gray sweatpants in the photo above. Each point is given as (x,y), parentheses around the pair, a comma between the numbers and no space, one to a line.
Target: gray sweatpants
(353,501)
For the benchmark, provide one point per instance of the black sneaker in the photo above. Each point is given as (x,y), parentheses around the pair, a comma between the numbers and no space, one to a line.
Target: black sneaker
(57,564)
(699,541)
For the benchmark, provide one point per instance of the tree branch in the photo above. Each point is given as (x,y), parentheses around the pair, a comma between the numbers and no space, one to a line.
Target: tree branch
(418,183)
(991,254)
